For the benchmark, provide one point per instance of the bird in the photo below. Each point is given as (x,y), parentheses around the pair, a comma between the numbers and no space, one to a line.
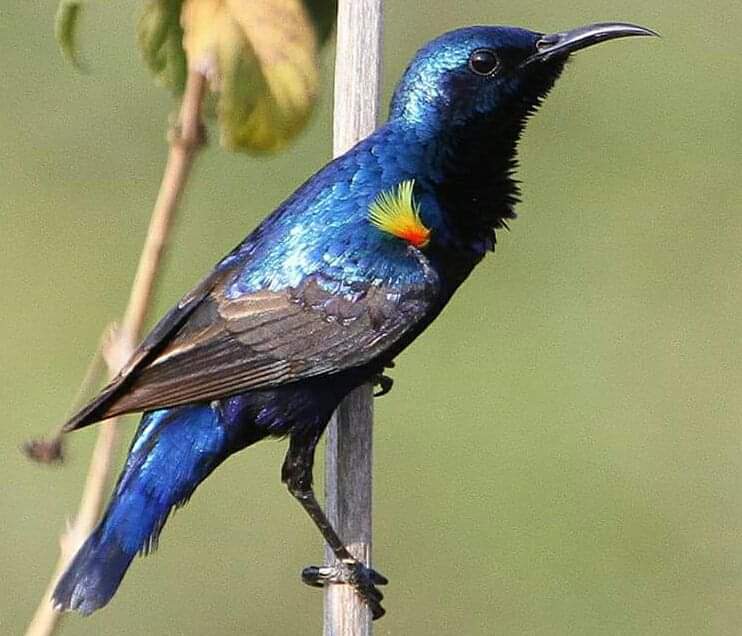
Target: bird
(324,294)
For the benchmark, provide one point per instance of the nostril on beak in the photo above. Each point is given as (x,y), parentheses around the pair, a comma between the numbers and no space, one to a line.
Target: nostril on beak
(547,41)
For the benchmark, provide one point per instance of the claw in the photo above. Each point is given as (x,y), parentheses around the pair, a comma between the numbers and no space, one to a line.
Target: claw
(315,576)
(385,384)
(354,573)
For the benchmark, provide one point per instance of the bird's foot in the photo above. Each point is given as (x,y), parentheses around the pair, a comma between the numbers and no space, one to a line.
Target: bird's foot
(384,382)
(354,573)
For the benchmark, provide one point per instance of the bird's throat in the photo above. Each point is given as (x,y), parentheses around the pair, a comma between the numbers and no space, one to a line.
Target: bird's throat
(476,185)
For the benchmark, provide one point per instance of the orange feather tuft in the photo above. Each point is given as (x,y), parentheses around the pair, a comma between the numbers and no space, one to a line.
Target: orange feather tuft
(395,212)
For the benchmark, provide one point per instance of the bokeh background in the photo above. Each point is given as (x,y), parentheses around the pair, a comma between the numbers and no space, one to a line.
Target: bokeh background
(561,453)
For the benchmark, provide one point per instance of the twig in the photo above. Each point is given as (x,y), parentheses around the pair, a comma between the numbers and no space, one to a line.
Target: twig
(349,437)
(185,140)
(50,450)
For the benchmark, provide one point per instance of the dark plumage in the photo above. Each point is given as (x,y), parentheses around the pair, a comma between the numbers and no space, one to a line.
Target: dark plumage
(320,298)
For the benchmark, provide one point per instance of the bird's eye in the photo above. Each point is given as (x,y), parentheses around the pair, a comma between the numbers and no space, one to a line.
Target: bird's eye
(483,62)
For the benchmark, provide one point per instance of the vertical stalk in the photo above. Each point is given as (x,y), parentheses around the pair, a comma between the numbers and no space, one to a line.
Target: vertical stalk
(348,458)
(185,140)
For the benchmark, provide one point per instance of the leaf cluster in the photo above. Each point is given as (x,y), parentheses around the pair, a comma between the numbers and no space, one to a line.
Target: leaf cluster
(260,57)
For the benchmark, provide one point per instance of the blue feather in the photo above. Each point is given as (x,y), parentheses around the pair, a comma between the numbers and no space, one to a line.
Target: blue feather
(173,451)
(453,129)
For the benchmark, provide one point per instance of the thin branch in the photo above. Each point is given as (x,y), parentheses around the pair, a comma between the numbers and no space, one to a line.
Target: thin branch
(50,450)
(185,140)
(349,437)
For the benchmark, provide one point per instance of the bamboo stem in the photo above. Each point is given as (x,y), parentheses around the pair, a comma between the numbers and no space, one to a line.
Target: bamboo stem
(348,458)
(184,141)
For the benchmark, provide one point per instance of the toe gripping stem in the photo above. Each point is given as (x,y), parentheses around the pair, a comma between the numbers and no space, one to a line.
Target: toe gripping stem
(353,573)
(383,381)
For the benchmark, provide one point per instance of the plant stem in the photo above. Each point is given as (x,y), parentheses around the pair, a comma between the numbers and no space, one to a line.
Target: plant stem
(185,140)
(348,461)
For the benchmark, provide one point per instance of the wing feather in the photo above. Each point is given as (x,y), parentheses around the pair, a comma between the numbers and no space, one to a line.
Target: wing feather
(211,346)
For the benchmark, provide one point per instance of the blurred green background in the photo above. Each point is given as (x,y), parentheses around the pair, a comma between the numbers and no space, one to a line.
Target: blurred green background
(561,453)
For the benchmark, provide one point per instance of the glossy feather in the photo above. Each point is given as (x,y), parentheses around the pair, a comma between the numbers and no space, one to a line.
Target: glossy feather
(320,297)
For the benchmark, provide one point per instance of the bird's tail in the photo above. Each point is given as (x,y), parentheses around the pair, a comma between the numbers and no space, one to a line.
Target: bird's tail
(172,452)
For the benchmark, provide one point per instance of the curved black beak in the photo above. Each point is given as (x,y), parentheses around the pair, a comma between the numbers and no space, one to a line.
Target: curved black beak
(567,42)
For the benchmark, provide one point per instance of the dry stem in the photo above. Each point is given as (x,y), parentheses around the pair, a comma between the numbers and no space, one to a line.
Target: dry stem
(185,141)
(348,461)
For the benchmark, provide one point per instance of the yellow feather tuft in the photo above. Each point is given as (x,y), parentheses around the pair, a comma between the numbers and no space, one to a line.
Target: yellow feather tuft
(395,212)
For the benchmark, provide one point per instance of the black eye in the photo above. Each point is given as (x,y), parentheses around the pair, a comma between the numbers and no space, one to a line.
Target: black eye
(483,62)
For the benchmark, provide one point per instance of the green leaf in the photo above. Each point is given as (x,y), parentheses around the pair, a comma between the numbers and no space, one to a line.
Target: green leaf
(65,30)
(323,14)
(160,38)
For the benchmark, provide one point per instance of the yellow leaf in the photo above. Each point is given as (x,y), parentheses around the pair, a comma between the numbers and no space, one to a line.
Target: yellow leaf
(261,58)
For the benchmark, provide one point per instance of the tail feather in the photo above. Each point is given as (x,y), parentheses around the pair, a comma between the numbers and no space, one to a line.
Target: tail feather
(93,576)
(172,452)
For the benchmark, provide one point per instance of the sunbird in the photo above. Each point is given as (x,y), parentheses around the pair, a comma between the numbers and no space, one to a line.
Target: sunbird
(324,294)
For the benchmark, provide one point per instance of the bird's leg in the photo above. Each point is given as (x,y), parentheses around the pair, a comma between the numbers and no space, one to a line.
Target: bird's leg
(383,381)
(296,473)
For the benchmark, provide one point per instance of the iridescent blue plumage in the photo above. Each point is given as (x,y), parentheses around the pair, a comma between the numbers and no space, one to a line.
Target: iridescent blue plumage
(172,452)
(319,299)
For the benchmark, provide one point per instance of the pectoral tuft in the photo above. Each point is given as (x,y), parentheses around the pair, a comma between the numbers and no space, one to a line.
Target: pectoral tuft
(395,212)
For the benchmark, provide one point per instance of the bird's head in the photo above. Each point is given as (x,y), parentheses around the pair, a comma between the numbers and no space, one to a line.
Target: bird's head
(465,98)
(493,74)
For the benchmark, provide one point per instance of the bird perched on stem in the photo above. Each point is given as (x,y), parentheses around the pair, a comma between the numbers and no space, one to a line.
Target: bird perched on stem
(324,294)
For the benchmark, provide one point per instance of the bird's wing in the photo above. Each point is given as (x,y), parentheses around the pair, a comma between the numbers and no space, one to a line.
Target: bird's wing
(211,345)
(150,347)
